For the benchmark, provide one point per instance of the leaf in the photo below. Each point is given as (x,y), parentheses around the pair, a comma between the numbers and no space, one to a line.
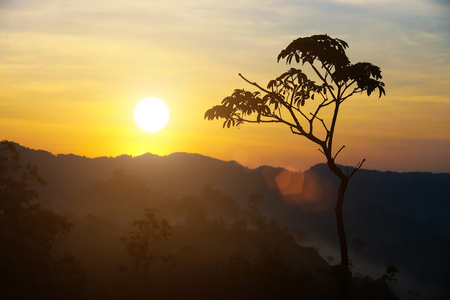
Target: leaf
(382,91)
(317,47)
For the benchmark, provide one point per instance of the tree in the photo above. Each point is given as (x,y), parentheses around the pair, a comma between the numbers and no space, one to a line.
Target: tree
(144,245)
(390,276)
(307,108)
(29,236)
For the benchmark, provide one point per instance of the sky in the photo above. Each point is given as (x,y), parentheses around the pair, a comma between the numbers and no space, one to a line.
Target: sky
(72,72)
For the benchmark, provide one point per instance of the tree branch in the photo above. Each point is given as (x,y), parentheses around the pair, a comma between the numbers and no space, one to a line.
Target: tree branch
(319,107)
(323,79)
(358,166)
(338,152)
(344,98)
(261,88)
(345,89)
(293,93)
(323,123)
(301,113)
(295,132)
(333,126)
(328,71)
(282,101)
(260,121)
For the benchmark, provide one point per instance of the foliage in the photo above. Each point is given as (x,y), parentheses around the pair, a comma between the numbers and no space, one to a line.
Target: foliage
(30,235)
(308,108)
(284,99)
(219,260)
(144,245)
(390,276)
(16,182)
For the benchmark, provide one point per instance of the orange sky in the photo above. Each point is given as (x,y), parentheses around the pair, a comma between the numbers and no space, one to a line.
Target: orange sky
(73,71)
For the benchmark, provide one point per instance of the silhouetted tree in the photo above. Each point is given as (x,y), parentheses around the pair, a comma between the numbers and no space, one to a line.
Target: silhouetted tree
(298,102)
(390,276)
(29,236)
(144,245)
(195,214)
(217,204)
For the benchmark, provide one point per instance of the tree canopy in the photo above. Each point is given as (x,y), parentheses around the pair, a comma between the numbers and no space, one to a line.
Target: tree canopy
(285,97)
(30,235)
(309,106)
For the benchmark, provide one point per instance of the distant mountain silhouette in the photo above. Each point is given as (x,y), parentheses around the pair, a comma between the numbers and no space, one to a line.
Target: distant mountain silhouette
(402,218)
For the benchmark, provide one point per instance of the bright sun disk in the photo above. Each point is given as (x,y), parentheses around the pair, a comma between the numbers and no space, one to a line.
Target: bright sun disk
(151,114)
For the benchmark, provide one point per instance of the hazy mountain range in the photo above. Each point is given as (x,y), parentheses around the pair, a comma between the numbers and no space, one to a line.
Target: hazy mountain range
(391,218)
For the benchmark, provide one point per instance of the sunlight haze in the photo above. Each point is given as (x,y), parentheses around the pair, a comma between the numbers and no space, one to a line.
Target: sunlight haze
(72,73)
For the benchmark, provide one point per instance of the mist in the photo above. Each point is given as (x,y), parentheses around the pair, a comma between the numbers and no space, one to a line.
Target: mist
(220,230)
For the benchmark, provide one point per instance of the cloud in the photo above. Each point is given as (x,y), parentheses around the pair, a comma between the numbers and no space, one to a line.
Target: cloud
(93,51)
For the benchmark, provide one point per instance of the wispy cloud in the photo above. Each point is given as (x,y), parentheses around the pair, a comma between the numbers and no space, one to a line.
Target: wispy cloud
(58,52)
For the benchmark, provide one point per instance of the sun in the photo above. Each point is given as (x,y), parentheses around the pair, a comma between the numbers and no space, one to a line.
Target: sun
(151,114)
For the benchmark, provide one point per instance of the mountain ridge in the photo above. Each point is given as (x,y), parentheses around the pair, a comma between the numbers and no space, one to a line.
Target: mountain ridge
(210,157)
(182,172)
(391,212)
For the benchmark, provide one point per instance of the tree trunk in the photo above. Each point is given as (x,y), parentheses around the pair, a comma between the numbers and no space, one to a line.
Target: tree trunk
(344,276)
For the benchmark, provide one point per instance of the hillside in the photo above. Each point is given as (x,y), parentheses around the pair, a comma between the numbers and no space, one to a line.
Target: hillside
(398,218)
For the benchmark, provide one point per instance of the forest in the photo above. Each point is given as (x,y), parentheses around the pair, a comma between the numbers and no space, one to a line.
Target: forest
(79,228)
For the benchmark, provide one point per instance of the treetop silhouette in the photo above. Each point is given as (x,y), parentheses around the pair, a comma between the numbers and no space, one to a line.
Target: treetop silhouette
(308,108)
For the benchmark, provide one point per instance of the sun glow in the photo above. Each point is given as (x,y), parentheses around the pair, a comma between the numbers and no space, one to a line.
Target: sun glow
(151,114)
